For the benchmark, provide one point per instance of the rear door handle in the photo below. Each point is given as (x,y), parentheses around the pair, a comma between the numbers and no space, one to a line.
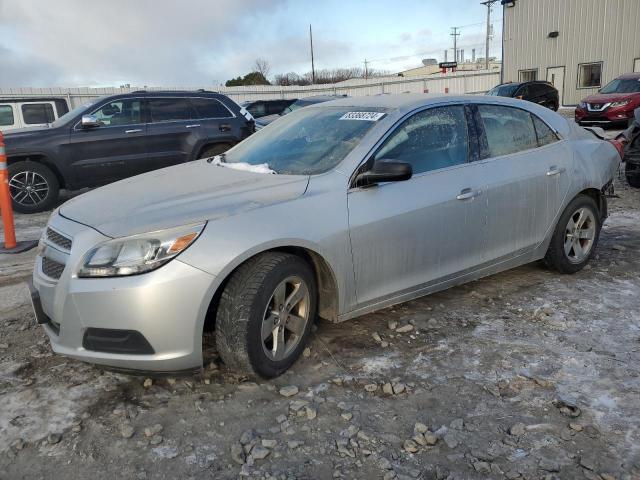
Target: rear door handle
(196,125)
(468,193)
(225,127)
(554,171)
(135,130)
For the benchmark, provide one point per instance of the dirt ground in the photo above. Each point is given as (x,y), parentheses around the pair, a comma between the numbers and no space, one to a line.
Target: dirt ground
(526,374)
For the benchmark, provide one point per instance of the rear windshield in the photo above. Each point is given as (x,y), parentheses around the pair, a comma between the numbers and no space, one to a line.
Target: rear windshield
(504,90)
(622,85)
(308,141)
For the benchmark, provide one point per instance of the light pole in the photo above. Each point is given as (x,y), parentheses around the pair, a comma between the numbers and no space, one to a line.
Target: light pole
(488,4)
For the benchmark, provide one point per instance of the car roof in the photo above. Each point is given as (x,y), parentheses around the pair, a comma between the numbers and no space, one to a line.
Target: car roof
(630,75)
(406,101)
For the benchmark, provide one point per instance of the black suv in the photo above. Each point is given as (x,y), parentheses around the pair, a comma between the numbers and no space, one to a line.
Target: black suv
(542,93)
(262,108)
(117,137)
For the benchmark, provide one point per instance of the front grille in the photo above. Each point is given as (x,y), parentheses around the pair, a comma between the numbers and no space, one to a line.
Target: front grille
(51,268)
(58,239)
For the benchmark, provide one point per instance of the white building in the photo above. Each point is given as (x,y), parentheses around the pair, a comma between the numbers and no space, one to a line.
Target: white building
(578,45)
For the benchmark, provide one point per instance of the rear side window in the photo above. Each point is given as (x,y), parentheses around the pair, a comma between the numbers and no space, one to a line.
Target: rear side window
(429,140)
(34,113)
(544,133)
(170,109)
(6,115)
(508,130)
(210,108)
(258,109)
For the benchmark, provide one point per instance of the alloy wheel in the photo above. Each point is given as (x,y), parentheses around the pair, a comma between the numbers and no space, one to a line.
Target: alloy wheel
(580,234)
(28,188)
(285,318)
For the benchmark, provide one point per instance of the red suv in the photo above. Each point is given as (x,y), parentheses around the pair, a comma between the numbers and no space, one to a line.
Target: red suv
(613,104)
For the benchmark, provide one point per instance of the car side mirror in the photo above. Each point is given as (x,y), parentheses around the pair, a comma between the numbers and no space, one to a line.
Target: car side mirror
(89,121)
(384,171)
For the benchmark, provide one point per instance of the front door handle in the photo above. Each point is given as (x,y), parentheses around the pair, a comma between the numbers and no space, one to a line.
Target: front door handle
(195,125)
(135,130)
(225,127)
(468,193)
(554,171)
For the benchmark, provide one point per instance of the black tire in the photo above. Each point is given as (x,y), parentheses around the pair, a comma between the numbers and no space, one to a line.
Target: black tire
(556,258)
(213,150)
(634,181)
(242,309)
(554,106)
(20,172)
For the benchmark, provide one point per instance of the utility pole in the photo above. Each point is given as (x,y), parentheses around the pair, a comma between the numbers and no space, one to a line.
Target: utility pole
(488,4)
(455,34)
(366,69)
(313,69)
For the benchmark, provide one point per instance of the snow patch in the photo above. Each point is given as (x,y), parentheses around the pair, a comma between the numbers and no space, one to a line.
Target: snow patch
(380,363)
(245,167)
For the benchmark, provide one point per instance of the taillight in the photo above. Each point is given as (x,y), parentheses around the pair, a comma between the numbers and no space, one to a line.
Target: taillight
(619,146)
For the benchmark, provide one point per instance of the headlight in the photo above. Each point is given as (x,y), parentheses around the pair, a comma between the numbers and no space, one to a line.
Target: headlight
(620,104)
(137,254)
(583,104)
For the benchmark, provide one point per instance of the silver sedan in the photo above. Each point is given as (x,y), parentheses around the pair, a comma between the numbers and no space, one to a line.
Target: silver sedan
(334,211)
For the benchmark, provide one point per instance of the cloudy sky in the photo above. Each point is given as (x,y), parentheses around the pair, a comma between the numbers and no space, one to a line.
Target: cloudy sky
(200,42)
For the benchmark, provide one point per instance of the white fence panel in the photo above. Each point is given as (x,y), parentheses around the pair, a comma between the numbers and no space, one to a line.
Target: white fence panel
(472,83)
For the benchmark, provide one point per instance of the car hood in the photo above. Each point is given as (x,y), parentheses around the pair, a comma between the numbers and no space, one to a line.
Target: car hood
(185,194)
(609,97)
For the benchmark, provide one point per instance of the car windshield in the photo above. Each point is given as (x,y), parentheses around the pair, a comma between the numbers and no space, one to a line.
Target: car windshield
(70,114)
(622,85)
(504,90)
(307,142)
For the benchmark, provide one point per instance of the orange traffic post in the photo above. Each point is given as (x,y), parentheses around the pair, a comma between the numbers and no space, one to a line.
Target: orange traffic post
(5,200)
(6,209)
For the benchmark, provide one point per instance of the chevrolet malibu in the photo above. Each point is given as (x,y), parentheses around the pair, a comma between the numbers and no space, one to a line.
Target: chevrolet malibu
(334,211)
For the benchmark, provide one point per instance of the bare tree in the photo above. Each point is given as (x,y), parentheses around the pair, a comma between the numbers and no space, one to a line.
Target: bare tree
(262,66)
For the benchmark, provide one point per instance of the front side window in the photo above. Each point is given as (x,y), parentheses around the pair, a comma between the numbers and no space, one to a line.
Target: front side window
(170,109)
(528,75)
(506,90)
(429,140)
(125,111)
(308,141)
(37,113)
(6,115)
(210,108)
(589,75)
(507,130)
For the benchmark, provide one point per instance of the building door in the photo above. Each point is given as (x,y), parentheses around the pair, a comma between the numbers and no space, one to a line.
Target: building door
(636,65)
(555,75)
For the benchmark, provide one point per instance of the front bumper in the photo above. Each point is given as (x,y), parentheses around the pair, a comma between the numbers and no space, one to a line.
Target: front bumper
(166,307)
(609,116)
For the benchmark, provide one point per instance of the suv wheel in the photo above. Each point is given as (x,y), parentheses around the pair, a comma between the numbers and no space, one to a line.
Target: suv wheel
(33,187)
(576,236)
(265,314)
(213,150)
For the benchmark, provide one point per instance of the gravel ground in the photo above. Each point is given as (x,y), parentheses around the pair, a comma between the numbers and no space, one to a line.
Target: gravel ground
(525,374)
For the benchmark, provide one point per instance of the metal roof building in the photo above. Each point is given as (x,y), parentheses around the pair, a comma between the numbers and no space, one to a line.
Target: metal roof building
(578,45)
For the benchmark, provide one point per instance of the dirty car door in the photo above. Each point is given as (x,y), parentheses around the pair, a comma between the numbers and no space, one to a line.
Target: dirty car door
(525,184)
(417,232)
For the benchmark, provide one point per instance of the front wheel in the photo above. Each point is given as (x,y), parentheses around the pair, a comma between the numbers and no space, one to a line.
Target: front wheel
(265,314)
(33,187)
(575,237)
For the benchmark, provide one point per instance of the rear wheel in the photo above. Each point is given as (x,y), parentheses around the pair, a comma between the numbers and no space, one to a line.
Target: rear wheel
(265,314)
(33,187)
(634,181)
(213,150)
(575,237)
